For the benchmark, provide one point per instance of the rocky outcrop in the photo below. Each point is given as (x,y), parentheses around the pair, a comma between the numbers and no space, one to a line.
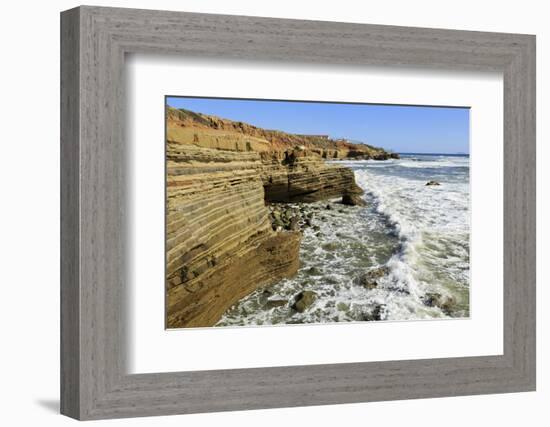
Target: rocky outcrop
(215,132)
(292,167)
(445,302)
(304,300)
(353,200)
(371,278)
(220,243)
(300,175)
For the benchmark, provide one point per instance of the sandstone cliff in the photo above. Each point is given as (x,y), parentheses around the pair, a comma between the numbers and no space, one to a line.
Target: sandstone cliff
(292,166)
(220,244)
(302,176)
(214,132)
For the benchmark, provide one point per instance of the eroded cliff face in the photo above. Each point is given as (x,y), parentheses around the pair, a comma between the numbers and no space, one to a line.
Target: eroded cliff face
(214,132)
(292,168)
(302,176)
(220,244)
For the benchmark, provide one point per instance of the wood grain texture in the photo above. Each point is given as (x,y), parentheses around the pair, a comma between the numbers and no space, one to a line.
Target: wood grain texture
(94,240)
(70,297)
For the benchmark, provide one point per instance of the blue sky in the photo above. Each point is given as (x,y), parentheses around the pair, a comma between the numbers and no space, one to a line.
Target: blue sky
(399,128)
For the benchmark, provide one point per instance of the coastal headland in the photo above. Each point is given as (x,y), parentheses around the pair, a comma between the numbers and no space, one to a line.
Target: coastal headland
(224,239)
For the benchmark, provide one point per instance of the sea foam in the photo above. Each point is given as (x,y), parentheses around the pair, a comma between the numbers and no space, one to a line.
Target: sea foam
(419,234)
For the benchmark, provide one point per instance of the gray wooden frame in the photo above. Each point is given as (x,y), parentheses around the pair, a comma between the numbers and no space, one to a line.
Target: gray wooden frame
(94,382)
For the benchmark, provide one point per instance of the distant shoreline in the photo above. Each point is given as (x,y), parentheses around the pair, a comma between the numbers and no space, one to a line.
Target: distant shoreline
(435,154)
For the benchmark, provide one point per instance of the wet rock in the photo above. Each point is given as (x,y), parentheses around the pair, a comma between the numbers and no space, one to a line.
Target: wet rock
(445,302)
(332,280)
(328,207)
(304,300)
(293,224)
(433,183)
(272,303)
(290,217)
(264,296)
(342,306)
(370,279)
(330,246)
(381,156)
(374,314)
(276,223)
(314,271)
(353,200)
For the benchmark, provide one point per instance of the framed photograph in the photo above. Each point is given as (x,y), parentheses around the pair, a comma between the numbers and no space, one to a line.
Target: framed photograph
(267,227)
(262,213)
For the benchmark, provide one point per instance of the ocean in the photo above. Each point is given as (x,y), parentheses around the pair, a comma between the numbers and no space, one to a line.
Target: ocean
(405,256)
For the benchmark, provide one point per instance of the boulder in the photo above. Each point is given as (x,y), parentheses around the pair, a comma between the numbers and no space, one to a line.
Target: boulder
(272,303)
(314,271)
(445,302)
(342,306)
(353,200)
(277,224)
(293,224)
(374,314)
(330,246)
(381,156)
(370,279)
(433,183)
(304,300)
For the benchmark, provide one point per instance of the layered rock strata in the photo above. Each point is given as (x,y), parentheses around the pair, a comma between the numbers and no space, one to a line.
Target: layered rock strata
(220,245)
(302,176)
(223,134)
(292,166)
